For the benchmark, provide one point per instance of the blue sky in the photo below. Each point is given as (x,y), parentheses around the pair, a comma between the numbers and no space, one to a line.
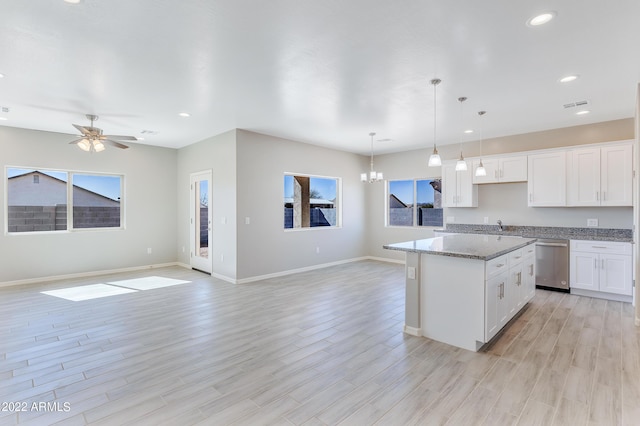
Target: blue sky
(325,186)
(403,190)
(109,186)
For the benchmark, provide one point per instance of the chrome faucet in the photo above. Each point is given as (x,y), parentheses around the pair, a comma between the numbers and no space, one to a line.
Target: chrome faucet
(500,225)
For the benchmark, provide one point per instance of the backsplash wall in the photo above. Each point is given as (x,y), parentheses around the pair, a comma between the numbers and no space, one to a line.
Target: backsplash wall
(508,202)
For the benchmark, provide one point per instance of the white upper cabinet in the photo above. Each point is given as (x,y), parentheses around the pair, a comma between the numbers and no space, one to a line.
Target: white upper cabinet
(502,170)
(458,187)
(600,176)
(547,184)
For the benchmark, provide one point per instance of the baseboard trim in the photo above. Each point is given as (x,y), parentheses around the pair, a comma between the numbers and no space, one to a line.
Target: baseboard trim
(187,266)
(413,331)
(602,295)
(298,270)
(86,274)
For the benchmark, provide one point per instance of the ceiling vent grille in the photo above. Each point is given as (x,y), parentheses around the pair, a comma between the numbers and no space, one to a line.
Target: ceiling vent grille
(5,109)
(576,104)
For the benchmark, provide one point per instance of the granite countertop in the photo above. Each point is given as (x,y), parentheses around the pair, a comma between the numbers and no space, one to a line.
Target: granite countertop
(563,233)
(469,246)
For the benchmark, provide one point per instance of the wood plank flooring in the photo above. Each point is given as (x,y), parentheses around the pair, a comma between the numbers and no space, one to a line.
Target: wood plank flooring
(317,348)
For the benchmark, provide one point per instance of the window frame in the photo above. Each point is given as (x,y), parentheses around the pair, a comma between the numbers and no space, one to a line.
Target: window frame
(337,202)
(69,198)
(414,213)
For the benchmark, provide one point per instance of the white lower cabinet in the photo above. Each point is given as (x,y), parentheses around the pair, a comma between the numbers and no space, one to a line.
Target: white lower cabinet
(509,285)
(601,267)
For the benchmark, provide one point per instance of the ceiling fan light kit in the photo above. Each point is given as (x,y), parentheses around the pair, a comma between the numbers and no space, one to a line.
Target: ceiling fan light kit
(92,139)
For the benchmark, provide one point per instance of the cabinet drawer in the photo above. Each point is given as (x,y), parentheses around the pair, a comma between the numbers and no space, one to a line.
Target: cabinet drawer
(515,257)
(603,247)
(497,265)
(529,250)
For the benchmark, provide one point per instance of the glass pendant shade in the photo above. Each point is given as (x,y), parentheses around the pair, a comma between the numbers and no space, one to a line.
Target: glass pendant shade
(461,165)
(434,159)
(480,170)
(98,146)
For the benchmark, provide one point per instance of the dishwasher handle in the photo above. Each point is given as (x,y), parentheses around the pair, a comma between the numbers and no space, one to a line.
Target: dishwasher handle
(552,244)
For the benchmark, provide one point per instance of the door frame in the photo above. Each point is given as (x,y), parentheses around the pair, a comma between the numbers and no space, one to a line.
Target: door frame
(196,261)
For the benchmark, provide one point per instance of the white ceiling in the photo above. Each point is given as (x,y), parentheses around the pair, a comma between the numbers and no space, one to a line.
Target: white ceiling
(324,72)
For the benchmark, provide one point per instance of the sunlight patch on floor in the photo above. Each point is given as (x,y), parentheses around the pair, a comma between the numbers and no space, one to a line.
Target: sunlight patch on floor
(87,292)
(148,283)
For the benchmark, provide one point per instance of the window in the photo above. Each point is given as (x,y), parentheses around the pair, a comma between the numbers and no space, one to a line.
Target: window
(426,210)
(38,200)
(311,201)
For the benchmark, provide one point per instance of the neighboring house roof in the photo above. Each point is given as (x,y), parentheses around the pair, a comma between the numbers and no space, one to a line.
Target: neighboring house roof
(88,195)
(312,201)
(395,203)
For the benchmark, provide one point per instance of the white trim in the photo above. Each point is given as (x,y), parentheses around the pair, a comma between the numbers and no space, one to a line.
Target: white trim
(86,274)
(387,259)
(412,331)
(601,295)
(298,270)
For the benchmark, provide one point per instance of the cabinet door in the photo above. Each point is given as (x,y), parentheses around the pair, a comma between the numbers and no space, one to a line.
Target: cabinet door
(547,180)
(528,278)
(584,177)
(491,166)
(467,191)
(449,185)
(616,175)
(584,270)
(515,291)
(615,274)
(513,169)
(494,306)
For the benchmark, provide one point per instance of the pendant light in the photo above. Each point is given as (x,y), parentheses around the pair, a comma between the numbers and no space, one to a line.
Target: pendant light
(480,170)
(434,159)
(372,176)
(461,165)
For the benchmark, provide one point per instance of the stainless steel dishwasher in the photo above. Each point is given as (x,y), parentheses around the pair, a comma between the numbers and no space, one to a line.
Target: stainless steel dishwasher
(552,264)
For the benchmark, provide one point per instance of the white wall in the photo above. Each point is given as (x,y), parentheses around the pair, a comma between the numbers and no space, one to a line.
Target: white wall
(264,247)
(217,154)
(149,202)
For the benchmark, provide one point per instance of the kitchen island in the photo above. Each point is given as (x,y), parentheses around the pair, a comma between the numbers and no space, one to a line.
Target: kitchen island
(462,289)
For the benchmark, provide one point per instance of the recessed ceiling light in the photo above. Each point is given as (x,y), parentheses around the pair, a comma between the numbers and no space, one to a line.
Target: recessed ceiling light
(541,19)
(3,118)
(583,112)
(1,75)
(568,78)
(72,1)
(468,131)
(184,114)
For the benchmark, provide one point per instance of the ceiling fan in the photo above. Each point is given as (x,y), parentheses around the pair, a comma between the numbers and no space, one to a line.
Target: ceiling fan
(93,140)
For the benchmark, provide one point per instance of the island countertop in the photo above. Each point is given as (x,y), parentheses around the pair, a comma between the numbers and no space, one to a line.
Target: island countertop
(469,246)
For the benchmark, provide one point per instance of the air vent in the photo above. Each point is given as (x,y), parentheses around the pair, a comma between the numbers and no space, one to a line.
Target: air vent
(5,109)
(576,104)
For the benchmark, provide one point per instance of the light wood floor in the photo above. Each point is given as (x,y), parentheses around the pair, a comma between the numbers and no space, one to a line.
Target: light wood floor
(323,347)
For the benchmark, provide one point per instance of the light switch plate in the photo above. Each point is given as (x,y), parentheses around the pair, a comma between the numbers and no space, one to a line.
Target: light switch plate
(592,222)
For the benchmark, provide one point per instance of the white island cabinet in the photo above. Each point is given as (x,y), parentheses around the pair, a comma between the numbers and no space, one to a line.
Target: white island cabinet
(461,289)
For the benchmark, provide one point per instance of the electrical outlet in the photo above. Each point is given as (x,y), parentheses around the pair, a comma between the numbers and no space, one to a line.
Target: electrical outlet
(411,273)
(183,249)
(148,250)
(222,258)
(486,220)
(223,220)
(247,220)
(592,222)
(317,250)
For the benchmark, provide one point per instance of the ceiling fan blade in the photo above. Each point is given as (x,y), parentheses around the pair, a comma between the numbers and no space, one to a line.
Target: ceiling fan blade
(83,130)
(120,138)
(114,143)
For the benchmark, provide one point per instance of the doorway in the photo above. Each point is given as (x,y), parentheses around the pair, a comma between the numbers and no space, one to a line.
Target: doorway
(200,221)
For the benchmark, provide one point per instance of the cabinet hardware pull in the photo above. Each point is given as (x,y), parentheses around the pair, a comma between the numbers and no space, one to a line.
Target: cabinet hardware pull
(499,265)
(531,269)
(602,264)
(597,196)
(595,263)
(495,174)
(530,197)
(604,195)
(501,173)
